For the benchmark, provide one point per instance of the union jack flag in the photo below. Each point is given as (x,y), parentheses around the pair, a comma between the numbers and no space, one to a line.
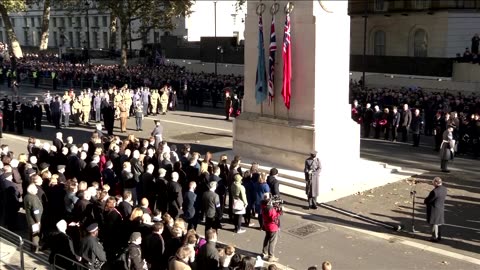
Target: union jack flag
(271,60)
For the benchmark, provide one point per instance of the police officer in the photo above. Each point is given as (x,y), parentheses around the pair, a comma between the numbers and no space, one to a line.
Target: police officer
(91,250)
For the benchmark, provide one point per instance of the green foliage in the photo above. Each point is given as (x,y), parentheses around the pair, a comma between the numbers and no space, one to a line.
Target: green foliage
(240,4)
(15,5)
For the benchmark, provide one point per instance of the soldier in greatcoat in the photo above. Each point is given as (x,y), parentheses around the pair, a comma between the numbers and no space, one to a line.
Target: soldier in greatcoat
(447,149)
(312,170)
(435,202)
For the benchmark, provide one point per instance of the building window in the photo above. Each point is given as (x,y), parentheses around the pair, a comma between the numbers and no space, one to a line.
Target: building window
(25,35)
(70,39)
(32,20)
(70,22)
(78,22)
(379,5)
(39,37)
(95,40)
(156,37)
(13,22)
(105,40)
(105,21)
(95,21)
(1,23)
(422,4)
(25,22)
(420,43)
(62,22)
(39,20)
(79,39)
(54,21)
(379,43)
(55,39)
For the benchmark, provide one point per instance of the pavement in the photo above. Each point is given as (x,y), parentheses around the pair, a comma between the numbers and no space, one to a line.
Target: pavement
(349,241)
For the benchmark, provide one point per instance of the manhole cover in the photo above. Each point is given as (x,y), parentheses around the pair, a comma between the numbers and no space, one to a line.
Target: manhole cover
(306,230)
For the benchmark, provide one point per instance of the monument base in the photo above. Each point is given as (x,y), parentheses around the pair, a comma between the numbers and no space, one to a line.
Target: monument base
(284,143)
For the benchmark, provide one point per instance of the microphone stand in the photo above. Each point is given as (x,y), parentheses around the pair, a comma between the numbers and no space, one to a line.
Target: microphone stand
(413,195)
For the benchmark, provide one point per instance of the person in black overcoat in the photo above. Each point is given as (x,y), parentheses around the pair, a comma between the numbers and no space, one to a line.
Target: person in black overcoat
(60,243)
(435,203)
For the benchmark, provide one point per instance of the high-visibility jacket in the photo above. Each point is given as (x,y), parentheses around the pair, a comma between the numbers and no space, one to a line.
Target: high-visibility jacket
(34,74)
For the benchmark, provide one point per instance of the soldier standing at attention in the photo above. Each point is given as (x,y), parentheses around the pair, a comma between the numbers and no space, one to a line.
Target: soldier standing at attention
(123,116)
(312,171)
(154,101)
(164,100)
(86,107)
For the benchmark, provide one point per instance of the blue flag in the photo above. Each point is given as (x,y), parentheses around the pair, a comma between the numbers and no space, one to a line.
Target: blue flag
(261,89)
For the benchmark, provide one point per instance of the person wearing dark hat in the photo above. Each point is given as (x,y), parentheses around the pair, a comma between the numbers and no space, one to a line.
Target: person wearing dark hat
(135,253)
(447,148)
(61,243)
(9,119)
(91,250)
(43,167)
(312,170)
(9,201)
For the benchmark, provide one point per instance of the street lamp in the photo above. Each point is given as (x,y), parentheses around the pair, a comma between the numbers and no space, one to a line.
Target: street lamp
(216,44)
(364,58)
(87,7)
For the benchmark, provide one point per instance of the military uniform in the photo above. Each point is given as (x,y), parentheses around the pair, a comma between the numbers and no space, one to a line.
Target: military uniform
(37,115)
(18,118)
(86,107)
(164,100)
(127,97)
(312,171)
(92,252)
(154,101)
(76,110)
(123,117)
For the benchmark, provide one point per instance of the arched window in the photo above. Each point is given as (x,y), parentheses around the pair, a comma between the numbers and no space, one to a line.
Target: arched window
(420,43)
(379,43)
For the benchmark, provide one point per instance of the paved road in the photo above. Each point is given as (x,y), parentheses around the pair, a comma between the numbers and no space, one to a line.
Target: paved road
(348,242)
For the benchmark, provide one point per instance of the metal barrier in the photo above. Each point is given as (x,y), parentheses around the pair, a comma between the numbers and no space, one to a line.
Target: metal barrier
(78,265)
(11,237)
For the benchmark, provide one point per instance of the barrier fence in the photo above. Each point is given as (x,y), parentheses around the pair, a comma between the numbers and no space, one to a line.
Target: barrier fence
(74,264)
(16,240)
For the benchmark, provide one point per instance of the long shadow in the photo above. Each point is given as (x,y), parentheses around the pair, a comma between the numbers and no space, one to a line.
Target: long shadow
(198,116)
(217,134)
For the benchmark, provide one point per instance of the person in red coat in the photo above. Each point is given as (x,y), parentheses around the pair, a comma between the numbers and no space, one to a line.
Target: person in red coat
(271,225)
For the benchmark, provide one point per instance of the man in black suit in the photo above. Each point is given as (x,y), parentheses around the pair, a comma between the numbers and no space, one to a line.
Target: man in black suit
(208,257)
(125,207)
(60,243)
(405,122)
(395,122)
(211,207)
(273,183)
(189,206)
(175,199)
(154,248)
(58,141)
(435,203)
(9,202)
(73,163)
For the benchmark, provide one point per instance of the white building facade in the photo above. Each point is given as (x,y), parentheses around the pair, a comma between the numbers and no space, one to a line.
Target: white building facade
(414,28)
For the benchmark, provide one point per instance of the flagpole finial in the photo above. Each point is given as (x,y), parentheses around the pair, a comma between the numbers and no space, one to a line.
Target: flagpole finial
(289,8)
(260,8)
(274,8)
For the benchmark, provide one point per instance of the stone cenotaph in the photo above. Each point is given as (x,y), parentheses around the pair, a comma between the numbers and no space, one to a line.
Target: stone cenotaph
(319,116)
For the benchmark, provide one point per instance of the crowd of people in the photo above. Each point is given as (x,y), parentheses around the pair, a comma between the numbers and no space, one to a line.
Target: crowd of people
(387,112)
(470,55)
(194,88)
(107,203)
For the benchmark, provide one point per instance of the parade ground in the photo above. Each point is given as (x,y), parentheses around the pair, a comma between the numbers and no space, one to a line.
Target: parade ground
(359,240)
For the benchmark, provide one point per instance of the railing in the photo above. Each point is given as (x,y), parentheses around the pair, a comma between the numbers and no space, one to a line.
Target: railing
(11,237)
(78,265)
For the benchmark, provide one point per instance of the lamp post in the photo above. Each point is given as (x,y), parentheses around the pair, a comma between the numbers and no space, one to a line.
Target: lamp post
(87,21)
(216,44)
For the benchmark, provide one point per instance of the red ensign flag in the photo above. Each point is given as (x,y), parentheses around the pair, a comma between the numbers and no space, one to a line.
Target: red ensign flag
(287,63)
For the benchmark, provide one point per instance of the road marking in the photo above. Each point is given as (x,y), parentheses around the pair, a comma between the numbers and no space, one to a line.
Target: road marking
(191,125)
(401,240)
